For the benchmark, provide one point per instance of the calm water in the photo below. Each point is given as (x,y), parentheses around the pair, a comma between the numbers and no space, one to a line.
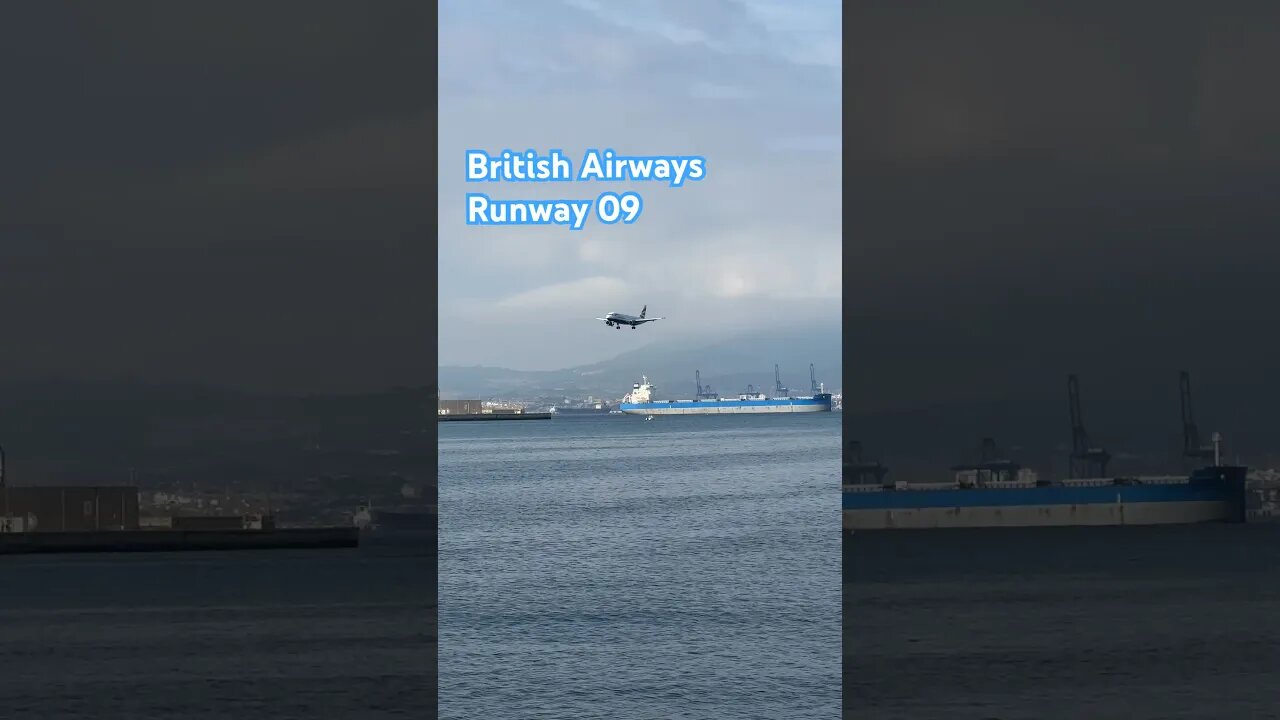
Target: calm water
(1098,623)
(273,634)
(620,568)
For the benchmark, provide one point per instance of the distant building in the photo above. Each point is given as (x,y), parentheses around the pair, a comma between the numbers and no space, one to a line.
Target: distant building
(222,522)
(39,508)
(477,407)
(461,407)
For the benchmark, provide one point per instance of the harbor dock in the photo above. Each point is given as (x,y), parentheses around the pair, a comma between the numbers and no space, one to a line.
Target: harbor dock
(496,416)
(86,519)
(163,540)
(481,410)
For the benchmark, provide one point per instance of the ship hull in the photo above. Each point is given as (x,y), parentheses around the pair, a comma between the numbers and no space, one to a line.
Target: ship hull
(411,528)
(1210,495)
(729,407)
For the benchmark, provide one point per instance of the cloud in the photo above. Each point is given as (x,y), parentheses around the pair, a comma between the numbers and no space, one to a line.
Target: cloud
(798,32)
(575,294)
(716,91)
(753,243)
(795,25)
(808,143)
(763,263)
(214,200)
(370,156)
(660,20)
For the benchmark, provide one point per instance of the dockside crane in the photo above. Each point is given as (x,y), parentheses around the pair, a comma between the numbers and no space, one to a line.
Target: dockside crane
(777,382)
(1087,461)
(860,471)
(1191,446)
(988,453)
(990,465)
(814,388)
(703,392)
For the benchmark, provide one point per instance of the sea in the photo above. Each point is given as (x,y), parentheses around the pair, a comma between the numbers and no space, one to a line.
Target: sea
(622,568)
(276,634)
(1093,622)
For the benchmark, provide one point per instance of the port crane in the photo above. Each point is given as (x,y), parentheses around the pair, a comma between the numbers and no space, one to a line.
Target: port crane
(1191,446)
(1087,461)
(814,388)
(859,471)
(777,382)
(990,465)
(704,393)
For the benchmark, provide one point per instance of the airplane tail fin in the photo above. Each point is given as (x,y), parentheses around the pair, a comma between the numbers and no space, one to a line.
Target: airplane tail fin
(643,310)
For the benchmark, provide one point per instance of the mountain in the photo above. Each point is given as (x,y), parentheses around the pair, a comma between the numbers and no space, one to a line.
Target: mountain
(1135,416)
(100,432)
(728,365)
(73,432)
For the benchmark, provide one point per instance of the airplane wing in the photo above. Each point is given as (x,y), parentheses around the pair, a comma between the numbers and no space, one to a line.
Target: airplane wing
(645,320)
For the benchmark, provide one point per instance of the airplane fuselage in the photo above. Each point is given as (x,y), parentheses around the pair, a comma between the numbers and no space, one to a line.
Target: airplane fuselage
(622,319)
(617,319)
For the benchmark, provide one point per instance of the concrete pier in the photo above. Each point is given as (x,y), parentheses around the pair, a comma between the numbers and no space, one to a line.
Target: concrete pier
(21,543)
(496,416)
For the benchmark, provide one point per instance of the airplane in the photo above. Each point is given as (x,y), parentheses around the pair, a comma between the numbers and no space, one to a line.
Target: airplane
(617,320)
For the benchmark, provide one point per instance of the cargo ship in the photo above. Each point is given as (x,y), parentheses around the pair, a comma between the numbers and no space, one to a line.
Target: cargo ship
(406,525)
(1001,494)
(998,492)
(412,519)
(639,402)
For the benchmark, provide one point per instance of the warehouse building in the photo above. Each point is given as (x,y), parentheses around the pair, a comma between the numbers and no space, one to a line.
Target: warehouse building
(461,407)
(68,508)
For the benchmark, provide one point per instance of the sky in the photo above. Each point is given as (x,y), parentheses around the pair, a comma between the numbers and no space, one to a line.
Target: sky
(753,86)
(193,193)
(1038,191)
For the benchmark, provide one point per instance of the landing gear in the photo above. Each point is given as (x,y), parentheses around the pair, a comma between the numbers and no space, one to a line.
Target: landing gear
(633,327)
(617,327)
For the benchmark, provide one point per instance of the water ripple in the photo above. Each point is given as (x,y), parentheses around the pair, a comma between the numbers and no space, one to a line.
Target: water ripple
(682,568)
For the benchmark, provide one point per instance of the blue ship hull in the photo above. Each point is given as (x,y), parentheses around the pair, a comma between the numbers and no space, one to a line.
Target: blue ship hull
(816,403)
(1211,494)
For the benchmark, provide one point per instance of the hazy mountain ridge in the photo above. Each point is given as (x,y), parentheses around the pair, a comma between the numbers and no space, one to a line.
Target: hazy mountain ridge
(74,431)
(728,365)
(1136,418)
(96,432)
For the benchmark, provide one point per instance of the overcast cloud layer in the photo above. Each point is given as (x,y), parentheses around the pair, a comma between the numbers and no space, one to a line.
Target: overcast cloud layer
(753,86)
(1085,189)
(216,193)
